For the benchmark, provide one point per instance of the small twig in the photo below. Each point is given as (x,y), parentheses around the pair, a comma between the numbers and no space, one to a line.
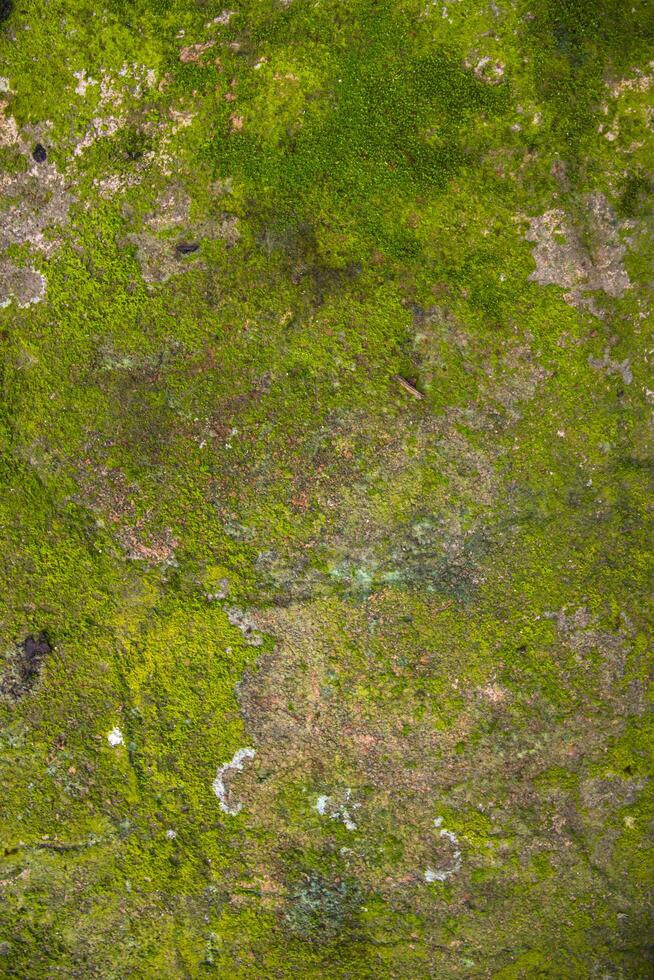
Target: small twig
(59,846)
(408,386)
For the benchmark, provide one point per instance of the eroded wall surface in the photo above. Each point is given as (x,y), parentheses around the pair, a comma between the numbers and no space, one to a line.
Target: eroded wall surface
(326,513)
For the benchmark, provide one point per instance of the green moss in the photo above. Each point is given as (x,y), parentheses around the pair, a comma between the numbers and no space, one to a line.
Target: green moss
(453,590)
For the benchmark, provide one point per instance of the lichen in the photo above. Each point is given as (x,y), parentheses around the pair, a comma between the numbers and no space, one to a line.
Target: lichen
(218,785)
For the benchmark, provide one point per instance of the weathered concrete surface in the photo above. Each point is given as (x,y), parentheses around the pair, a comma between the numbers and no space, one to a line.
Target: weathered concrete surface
(326,504)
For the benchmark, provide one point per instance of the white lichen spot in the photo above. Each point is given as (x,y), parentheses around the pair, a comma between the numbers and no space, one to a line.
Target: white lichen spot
(335,810)
(115,737)
(486,69)
(321,805)
(193,53)
(171,834)
(442,874)
(83,81)
(218,785)
(222,19)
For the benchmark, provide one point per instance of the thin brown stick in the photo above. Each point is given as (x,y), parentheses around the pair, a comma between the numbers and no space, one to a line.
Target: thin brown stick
(408,386)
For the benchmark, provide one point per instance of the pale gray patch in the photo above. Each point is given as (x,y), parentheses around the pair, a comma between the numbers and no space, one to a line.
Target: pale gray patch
(43,202)
(8,127)
(563,259)
(156,250)
(246,625)
(20,284)
(111,185)
(608,364)
(172,209)
(157,257)
(580,631)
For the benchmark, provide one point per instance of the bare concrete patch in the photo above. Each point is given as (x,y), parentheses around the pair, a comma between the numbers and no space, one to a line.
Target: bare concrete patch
(43,204)
(20,284)
(486,69)
(580,265)
(36,203)
(598,651)
(246,625)
(115,90)
(114,184)
(155,548)
(172,209)
(156,257)
(8,127)
(193,53)
(580,631)
(161,255)
(99,128)
(611,366)
(222,19)
(639,82)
